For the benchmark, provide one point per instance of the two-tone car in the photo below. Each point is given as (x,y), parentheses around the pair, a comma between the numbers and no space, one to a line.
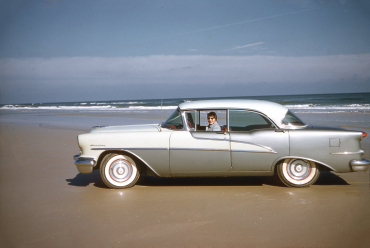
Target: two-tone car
(254,138)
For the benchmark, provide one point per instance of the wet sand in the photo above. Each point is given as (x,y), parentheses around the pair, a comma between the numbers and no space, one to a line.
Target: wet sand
(45,202)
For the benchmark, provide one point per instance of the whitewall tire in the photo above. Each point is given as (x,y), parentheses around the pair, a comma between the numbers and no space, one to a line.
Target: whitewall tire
(119,171)
(298,172)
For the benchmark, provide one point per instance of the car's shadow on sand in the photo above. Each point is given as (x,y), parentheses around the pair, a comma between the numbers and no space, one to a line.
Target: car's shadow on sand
(328,178)
(82,180)
(325,178)
(211,181)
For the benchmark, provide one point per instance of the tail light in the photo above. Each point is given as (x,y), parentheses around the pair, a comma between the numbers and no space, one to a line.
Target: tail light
(364,134)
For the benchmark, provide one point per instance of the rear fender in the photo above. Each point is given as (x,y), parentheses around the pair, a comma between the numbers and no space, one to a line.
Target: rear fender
(278,161)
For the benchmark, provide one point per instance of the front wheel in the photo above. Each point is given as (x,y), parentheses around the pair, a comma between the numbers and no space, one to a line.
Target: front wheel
(119,171)
(298,172)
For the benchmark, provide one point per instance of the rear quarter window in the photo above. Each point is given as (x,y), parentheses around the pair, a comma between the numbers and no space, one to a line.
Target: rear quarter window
(291,119)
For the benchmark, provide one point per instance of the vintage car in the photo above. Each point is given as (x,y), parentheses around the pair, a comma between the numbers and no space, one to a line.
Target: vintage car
(254,138)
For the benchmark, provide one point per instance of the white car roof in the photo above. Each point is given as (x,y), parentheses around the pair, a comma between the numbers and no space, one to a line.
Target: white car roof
(273,110)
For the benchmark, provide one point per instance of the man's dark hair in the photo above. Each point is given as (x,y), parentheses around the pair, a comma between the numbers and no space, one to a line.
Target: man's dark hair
(212,114)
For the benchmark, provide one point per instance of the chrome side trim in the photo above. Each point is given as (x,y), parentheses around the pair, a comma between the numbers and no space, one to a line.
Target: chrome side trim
(218,132)
(348,153)
(270,150)
(131,148)
(201,149)
(249,143)
(255,151)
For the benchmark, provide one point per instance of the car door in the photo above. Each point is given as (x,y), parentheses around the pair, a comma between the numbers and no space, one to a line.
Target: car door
(255,142)
(199,152)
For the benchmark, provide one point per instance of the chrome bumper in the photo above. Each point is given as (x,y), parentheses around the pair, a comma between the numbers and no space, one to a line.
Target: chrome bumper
(84,165)
(360,165)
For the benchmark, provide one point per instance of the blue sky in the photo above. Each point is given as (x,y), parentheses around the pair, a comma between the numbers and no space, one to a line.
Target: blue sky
(115,50)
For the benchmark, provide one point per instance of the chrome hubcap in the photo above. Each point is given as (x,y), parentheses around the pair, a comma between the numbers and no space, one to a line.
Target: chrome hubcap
(120,170)
(298,169)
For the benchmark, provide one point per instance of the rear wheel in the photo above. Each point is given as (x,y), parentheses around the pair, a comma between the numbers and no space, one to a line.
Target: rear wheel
(119,171)
(298,172)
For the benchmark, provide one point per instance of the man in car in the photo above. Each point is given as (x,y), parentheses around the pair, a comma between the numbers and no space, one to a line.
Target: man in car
(212,120)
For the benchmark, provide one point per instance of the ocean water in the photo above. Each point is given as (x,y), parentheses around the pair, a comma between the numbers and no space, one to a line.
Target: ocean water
(320,103)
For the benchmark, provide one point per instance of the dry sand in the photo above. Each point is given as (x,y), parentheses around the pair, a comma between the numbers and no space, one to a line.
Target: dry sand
(45,202)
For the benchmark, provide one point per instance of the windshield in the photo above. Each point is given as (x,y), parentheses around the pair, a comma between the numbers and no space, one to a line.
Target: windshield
(291,119)
(174,121)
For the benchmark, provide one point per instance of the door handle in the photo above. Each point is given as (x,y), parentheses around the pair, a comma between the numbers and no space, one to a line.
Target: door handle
(224,133)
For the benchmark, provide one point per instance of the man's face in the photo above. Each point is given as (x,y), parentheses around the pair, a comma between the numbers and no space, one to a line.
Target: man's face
(211,119)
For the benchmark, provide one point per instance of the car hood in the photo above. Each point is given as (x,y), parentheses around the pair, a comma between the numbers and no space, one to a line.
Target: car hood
(127,128)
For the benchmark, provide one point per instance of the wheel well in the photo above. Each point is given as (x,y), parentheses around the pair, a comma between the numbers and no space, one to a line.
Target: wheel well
(276,165)
(320,166)
(323,167)
(143,168)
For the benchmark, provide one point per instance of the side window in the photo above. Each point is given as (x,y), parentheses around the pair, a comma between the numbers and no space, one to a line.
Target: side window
(242,120)
(212,116)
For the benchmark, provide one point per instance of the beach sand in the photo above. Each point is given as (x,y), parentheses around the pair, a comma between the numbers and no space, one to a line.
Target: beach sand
(45,202)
